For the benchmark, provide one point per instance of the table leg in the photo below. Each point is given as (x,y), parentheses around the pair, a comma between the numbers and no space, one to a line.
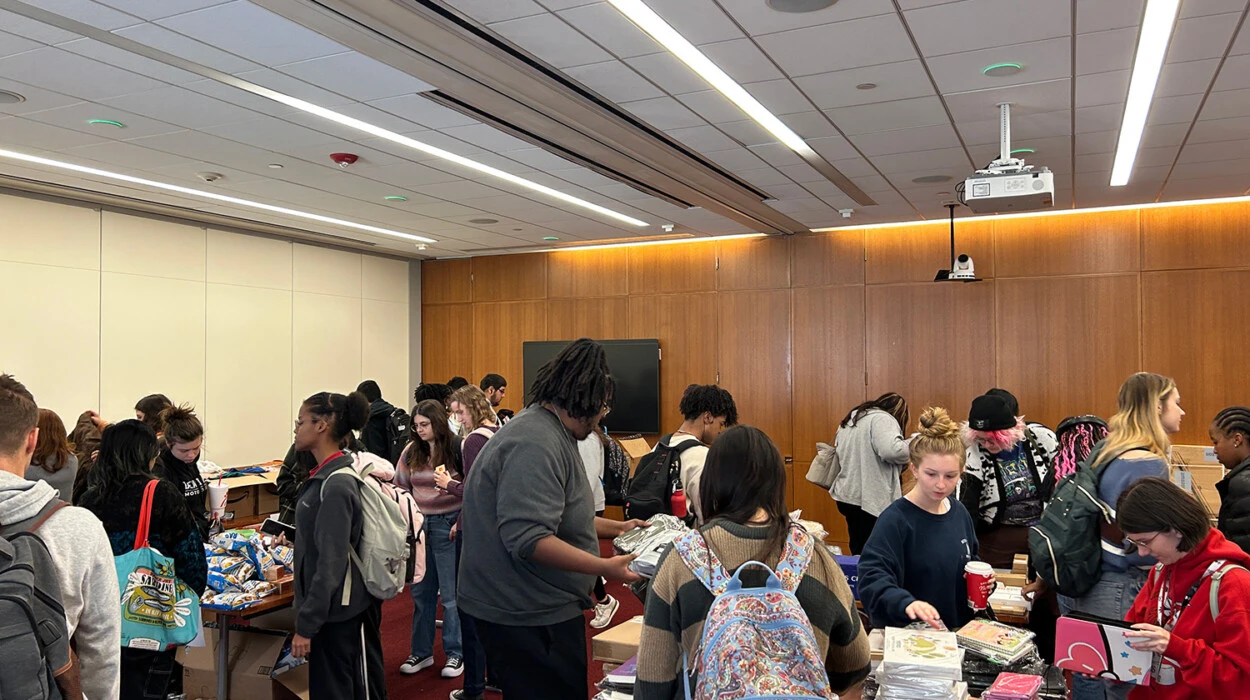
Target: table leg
(223,657)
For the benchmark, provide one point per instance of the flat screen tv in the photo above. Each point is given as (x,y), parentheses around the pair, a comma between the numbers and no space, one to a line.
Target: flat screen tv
(635,365)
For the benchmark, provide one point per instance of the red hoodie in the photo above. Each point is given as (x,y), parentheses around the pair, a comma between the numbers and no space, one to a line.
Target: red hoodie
(1210,658)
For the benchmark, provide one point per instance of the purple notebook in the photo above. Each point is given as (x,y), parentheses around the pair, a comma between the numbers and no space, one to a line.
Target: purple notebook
(625,674)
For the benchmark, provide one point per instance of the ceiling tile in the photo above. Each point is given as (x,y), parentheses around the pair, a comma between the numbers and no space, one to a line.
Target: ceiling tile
(185,108)
(610,29)
(1108,14)
(789,190)
(702,138)
(357,110)
(1037,98)
(75,117)
(779,96)
(894,81)
(1235,74)
(832,148)
(801,173)
(810,125)
(1193,77)
(700,21)
(254,33)
(1163,135)
(274,134)
(423,111)
(747,132)
(172,42)
(850,44)
(199,146)
(979,24)
(741,60)
(1211,7)
(88,12)
(413,175)
(1217,168)
(357,76)
(615,81)
(456,191)
(904,140)
(663,113)
(1241,46)
(159,9)
(933,162)
(1216,150)
(763,177)
(120,58)
(1227,104)
(553,41)
(1206,188)
(1106,51)
(758,18)
(712,106)
(1023,126)
(776,154)
(11,44)
(1202,37)
(487,137)
(487,11)
(1101,118)
(1178,110)
(32,30)
(28,136)
(120,152)
(287,85)
(37,99)
(539,158)
(665,70)
(1042,61)
(72,74)
(887,116)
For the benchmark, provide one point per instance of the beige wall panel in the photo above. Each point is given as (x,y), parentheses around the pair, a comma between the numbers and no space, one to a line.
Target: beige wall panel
(384,279)
(326,342)
(326,271)
(384,355)
(58,360)
(48,233)
(247,411)
(145,348)
(140,245)
(251,261)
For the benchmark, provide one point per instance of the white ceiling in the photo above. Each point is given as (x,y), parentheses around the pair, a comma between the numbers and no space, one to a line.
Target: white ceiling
(932,113)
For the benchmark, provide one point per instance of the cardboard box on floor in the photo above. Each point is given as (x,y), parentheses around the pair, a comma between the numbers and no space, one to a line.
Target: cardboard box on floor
(618,644)
(252,656)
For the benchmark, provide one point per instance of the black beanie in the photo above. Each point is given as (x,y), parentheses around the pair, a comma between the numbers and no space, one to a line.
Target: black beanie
(990,412)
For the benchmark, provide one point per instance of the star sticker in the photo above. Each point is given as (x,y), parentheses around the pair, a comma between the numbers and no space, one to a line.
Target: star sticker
(1124,654)
(1128,644)
(1136,670)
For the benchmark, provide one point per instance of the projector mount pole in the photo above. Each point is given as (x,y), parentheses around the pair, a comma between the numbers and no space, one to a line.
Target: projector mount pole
(1004,138)
(952,209)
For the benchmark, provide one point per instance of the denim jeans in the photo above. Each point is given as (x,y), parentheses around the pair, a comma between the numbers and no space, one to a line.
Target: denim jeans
(474,652)
(1112,597)
(440,579)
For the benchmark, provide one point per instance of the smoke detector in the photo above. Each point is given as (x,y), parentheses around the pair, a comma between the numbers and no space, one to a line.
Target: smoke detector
(344,159)
(209,177)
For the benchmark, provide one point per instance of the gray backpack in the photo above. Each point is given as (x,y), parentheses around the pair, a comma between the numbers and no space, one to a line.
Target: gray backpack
(382,556)
(34,640)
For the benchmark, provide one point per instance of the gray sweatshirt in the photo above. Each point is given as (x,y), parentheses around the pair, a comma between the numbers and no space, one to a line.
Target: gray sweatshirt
(61,480)
(872,452)
(84,560)
(527,484)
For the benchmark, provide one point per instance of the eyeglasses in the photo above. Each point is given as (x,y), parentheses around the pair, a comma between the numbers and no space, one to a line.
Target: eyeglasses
(1144,544)
(606,410)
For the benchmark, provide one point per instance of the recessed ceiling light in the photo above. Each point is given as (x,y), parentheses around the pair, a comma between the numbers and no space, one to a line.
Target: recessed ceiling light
(551,238)
(931,179)
(799,5)
(943,194)
(216,196)
(518,229)
(276,166)
(1001,70)
(1022,150)
(483,221)
(420,246)
(866,86)
(10,98)
(1152,46)
(107,122)
(395,198)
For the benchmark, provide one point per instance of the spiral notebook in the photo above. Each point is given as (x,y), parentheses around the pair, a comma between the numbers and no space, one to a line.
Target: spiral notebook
(1096,646)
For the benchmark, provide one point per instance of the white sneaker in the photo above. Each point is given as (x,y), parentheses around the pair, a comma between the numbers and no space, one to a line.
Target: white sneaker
(413,664)
(604,612)
(454,667)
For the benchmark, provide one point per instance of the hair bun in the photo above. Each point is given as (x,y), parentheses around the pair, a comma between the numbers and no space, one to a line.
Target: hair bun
(356,410)
(936,423)
(178,413)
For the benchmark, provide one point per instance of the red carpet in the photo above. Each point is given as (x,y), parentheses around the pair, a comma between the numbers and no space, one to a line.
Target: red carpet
(397,629)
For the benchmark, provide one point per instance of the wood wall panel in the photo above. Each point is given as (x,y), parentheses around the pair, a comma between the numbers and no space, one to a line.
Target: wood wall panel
(822,259)
(669,269)
(931,343)
(444,330)
(685,324)
(828,339)
(605,318)
(446,281)
(1065,345)
(916,253)
(499,331)
(1195,237)
(588,273)
(818,505)
(753,346)
(1102,242)
(754,263)
(509,277)
(1195,331)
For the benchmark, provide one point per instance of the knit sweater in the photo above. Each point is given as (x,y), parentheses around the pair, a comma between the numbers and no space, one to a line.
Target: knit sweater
(84,563)
(418,479)
(677,607)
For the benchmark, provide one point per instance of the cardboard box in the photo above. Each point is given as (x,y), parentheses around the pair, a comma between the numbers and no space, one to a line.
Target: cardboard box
(240,504)
(292,685)
(850,569)
(636,448)
(618,644)
(1194,454)
(252,656)
(266,499)
(1020,564)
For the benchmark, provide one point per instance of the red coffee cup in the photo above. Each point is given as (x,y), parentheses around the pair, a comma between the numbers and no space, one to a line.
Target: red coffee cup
(981,584)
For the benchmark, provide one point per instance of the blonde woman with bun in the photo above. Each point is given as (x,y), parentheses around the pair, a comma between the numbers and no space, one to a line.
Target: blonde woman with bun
(912,567)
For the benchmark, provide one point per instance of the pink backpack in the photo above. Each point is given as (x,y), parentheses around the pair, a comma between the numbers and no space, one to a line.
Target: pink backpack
(757,642)
(381,477)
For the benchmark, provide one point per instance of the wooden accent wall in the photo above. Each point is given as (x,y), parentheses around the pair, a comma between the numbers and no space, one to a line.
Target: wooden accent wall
(802,328)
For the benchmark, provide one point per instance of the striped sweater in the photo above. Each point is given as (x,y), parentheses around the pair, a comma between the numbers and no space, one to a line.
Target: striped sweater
(677,606)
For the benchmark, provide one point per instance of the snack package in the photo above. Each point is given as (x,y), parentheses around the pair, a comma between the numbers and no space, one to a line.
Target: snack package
(260,589)
(233,600)
(233,540)
(285,554)
(225,563)
(212,550)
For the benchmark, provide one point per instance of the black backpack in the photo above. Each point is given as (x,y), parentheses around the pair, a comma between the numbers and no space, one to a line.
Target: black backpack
(658,475)
(398,429)
(615,474)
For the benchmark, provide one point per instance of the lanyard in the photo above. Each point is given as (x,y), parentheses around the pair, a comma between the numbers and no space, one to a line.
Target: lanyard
(1166,591)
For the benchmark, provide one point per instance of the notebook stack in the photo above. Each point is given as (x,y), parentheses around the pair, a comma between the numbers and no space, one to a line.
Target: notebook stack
(1013,686)
(921,664)
(995,641)
(618,684)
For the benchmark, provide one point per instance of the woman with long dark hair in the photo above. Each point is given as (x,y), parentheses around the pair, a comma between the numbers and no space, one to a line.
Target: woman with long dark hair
(340,637)
(114,492)
(433,449)
(873,453)
(743,491)
(54,460)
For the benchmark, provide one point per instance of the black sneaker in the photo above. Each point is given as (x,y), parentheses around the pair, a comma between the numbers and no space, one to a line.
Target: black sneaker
(413,664)
(454,667)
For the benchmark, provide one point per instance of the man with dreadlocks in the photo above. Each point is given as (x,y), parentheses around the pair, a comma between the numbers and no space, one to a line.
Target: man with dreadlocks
(531,538)
(1230,435)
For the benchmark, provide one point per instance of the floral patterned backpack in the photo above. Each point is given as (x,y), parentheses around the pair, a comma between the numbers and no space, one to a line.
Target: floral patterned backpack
(158,610)
(757,642)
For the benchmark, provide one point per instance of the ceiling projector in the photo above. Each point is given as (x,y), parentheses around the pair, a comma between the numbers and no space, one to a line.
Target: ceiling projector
(1007,184)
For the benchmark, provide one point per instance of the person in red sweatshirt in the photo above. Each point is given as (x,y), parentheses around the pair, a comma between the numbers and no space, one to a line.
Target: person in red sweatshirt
(1201,638)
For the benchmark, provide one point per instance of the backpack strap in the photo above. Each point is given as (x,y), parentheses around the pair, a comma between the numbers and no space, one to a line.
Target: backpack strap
(353,557)
(795,558)
(34,522)
(1215,587)
(694,551)
(145,514)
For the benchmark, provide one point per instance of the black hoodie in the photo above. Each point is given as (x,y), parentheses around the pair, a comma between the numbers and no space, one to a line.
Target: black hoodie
(1234,491)
(186,477)
(375,435)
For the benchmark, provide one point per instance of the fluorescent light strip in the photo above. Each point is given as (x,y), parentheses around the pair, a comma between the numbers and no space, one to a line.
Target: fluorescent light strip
(1028,215)
(651,23)
(1152,47)
(639,244)
(402,140)
(14,155)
